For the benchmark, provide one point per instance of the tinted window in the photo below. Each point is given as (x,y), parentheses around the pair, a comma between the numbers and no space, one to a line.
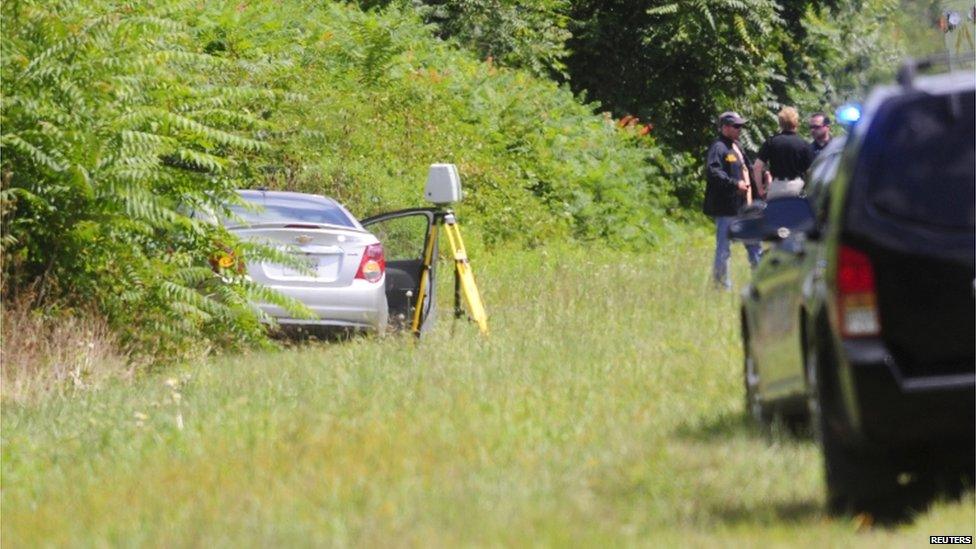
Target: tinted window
(276,209)
(924,167)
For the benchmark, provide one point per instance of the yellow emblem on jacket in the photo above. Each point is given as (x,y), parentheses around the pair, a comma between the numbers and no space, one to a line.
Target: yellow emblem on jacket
(730,157)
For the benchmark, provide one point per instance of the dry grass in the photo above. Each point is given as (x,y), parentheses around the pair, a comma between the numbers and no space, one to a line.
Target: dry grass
(43,352)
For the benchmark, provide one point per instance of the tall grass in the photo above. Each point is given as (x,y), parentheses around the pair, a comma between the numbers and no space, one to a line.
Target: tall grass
(605,408)
(43,352)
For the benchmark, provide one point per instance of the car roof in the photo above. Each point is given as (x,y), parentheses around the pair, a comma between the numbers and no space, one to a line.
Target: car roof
(950,82)
(256,193)
(260,194)
(937,84)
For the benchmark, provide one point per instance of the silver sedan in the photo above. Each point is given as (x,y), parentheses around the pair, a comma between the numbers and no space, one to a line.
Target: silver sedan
(344,285)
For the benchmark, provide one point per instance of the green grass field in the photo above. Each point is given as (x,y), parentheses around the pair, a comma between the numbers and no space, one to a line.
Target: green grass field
(605,408)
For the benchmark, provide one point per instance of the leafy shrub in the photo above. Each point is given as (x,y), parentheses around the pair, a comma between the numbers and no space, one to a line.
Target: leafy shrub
(112,134)
(526,35)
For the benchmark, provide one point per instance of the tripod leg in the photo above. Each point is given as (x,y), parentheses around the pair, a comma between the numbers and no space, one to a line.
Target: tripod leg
(466,277)
(473,298)
(458,311)
(424,280)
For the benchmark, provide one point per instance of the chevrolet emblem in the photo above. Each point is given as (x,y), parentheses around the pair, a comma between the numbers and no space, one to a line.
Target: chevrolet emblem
(303,239)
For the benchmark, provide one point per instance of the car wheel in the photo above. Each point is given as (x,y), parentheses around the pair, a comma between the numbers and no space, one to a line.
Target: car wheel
(856,480)
(755,407)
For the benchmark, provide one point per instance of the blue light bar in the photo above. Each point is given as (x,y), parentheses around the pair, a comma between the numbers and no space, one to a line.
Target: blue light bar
(849,114)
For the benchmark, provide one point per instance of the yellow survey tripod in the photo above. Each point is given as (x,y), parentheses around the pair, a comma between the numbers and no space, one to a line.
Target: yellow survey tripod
(463,276)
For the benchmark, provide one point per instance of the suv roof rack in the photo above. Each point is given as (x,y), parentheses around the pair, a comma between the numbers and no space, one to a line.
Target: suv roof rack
(911,67)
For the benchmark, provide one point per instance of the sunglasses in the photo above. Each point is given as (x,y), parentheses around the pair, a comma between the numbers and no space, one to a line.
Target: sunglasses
(813,127)
(737,126)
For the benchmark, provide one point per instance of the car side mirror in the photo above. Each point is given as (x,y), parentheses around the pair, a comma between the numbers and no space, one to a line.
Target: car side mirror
(777,219)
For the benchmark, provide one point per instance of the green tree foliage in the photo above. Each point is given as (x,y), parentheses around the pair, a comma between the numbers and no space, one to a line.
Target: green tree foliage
(528,35)
(679,63)
(847,50)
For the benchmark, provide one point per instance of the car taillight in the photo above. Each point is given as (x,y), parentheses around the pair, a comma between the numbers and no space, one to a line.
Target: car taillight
(373,264)
(857,304)
(226,258)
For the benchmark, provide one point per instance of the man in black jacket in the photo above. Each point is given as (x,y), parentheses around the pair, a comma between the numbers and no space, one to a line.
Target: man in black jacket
(728,189)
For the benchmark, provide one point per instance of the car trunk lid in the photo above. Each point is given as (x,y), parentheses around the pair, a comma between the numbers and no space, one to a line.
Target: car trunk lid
(331,253)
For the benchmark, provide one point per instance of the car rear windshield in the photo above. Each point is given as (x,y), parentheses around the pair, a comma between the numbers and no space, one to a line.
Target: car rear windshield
(926,165)
(279,209)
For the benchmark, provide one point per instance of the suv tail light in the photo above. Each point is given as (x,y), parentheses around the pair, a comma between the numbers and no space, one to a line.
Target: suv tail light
(857,304)
(373,264)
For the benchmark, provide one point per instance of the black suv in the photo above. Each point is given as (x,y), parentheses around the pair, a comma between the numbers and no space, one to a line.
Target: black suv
(885,325)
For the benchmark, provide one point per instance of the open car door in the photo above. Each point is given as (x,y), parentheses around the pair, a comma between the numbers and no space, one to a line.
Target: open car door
(407,235)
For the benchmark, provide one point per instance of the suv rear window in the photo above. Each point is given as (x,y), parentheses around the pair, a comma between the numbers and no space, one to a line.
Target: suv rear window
(926,164)
(276,209)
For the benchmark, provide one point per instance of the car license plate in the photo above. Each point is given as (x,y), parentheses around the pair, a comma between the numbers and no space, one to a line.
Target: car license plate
(322,267)
(311,262)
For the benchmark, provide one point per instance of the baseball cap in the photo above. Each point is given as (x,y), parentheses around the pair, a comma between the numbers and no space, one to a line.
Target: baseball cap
(730,117)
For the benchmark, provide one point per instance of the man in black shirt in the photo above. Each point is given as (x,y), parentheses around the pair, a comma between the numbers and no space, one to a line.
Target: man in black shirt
(727,189)
(820,131)
(788,156)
